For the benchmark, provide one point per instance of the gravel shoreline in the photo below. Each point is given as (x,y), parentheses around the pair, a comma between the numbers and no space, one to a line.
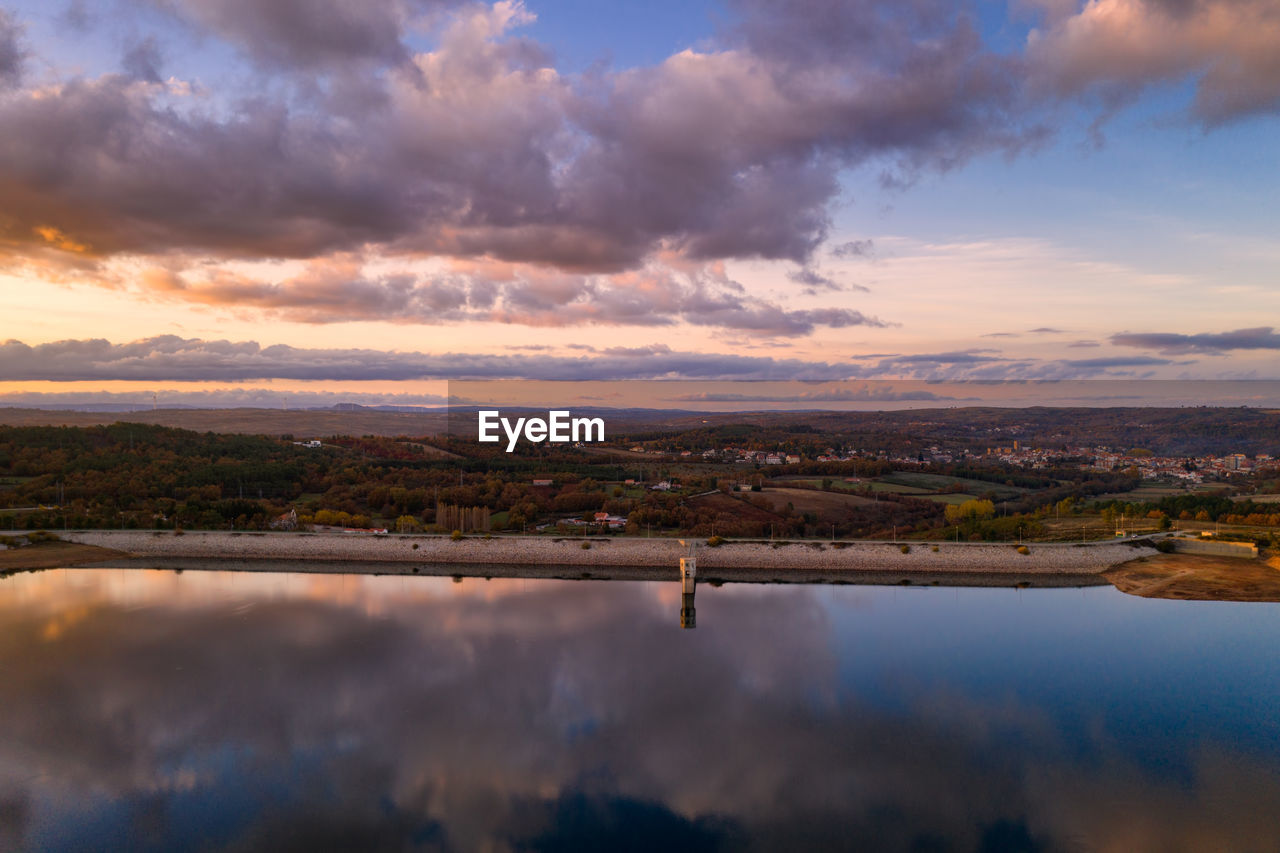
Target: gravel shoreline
(825,557)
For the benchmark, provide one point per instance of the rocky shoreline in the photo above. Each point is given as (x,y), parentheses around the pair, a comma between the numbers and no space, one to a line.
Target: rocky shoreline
(812,556)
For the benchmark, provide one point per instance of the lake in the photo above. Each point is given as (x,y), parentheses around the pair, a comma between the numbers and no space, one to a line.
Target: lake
(153,710)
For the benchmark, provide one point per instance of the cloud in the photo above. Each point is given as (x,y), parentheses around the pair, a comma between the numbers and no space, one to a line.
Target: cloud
(338,289)
(307,35)
(492,714)
(143,60)
(815,282)
(1045,330)
(1117,361)
(833,395)
(855,249)
(1116,48)
(968,356)
(481,148)
(174,359)
(1260,338)
(12,53)
(211,398)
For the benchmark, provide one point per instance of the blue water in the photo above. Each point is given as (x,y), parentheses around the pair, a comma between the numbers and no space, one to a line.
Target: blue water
(155,710)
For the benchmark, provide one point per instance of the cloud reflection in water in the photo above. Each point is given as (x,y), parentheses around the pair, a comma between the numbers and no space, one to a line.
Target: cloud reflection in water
(262,711)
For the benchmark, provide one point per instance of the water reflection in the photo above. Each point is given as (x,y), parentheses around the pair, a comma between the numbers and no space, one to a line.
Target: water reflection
(154,710)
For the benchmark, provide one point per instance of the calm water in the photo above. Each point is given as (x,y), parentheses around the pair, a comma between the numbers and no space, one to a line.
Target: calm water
(155,710)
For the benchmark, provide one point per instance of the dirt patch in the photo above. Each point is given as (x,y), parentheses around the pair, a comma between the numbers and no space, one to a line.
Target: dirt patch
(53,555)
(827,506)
(1188,577)
(737,508)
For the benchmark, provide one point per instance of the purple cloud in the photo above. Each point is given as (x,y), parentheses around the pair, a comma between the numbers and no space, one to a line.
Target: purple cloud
(12,53)
(1260,338)
(170,358)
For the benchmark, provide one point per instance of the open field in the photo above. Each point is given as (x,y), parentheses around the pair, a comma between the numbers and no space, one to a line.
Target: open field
(950,498)
(810,500)
(736,506)
(1189,577)
(895,488)
(936,482)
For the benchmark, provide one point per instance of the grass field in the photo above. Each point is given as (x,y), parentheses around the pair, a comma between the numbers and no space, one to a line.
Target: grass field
(896,488)
(951,498)
(834,506)
(1148,491)
(936,482)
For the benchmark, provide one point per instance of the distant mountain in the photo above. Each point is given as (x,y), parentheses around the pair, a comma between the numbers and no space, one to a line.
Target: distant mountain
(360,407)
(90,407)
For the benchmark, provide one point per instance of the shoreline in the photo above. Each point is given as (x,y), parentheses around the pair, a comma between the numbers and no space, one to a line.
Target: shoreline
(826,558)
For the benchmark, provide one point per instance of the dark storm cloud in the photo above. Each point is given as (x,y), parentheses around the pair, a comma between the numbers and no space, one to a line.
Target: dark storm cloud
(170,358)
(1260,338)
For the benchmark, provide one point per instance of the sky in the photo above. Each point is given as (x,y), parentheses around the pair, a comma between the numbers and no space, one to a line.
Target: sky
(239,202)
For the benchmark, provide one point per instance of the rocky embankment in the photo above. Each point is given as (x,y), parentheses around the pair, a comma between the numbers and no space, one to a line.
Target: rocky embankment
(1040,559)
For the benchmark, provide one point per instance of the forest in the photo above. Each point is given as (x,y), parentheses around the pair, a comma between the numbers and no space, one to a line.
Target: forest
(139,476)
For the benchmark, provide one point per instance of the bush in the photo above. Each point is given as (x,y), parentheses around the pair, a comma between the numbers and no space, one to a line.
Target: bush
(1166,546)
(415,546)
(906,549)
(455,535)
(178,531)
(586,546)
(715,541)
(1023,549)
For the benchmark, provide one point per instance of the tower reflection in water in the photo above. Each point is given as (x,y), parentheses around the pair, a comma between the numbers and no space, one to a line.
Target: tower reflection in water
(688,578)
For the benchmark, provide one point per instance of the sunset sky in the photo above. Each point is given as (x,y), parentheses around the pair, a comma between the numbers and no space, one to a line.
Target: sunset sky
(253,201)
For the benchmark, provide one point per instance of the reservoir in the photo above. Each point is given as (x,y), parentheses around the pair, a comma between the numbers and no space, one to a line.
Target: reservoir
(158,709)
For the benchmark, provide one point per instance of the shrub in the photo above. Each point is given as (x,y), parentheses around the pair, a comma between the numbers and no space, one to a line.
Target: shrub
(906,549)
(934,549)
(178,531)
(1166,546)
(586,546)
(715,541)
(1023,549)
(455,535)
(415,546)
